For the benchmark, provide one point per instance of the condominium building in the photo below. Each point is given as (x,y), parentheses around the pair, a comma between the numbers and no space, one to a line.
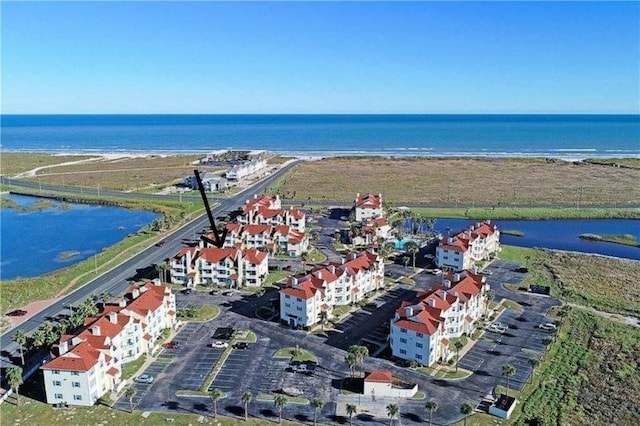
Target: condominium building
(368,206)
(227,266)
(474,244)
(248,168)
(88,365)
(421,330)
(330,284)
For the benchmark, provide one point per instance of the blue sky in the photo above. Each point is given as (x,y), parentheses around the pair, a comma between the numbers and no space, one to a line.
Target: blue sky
(395,57)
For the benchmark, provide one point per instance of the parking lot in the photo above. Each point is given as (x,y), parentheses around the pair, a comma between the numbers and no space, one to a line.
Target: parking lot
(227,378)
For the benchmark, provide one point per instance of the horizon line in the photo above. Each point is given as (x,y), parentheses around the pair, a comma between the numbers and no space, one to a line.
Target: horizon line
(321,113)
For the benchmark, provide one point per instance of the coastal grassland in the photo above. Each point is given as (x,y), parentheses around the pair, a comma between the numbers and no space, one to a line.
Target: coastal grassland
(131,173)
(21,291)
(633,163)
(12,163)
(603,283)
(625,239)
(529,213)
(588,377)
(462,180)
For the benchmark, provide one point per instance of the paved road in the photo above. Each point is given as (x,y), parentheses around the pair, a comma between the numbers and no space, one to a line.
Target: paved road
(116,280)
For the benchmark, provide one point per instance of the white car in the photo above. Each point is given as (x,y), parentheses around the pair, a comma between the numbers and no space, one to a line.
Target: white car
(548,326)
(220,345)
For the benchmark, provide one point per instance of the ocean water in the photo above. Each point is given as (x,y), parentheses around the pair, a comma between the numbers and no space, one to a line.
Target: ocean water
(556,136)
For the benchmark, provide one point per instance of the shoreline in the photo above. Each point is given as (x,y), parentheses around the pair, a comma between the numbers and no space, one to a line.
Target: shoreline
(569,155)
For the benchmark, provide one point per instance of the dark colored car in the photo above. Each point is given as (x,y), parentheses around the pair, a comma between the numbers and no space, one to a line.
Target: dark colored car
(186,291)
(17,313)
(172,345)
(241,345)
(161,243)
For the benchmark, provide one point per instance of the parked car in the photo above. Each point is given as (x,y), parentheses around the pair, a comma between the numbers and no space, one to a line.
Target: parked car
(307,369)
(186,291)
(497,328)
(172,345)
(17,313)
(548,326)
(219,345)
(144,378)
(241,345)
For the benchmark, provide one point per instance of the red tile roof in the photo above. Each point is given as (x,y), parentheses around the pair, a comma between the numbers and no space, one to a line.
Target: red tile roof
(215,254)
(258,229)
(371,201)
(81,357)
(254,256)
(113,371)
(379,377)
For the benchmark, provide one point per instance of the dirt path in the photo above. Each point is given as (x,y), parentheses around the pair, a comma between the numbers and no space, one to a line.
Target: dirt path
(32,172)
(627,320)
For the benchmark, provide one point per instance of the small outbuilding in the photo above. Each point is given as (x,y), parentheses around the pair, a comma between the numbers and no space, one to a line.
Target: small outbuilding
(503,406)
(382,383)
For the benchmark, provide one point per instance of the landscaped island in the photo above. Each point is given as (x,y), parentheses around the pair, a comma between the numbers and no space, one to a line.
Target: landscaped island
(625,239)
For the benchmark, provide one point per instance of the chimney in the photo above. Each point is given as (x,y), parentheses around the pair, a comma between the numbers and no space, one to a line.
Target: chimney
(143,289)
(95,330)
(294,282)
(76,341)
(471,228)
(319,274)
(450,240)
(488,221)
(156,281)
(63,348)
(342,260)
(409,311)
(432,302)
(474,270)
(332,269)
(123,302)
(135,293)
(444,295)
(446,283)
(113,317)
(456,278)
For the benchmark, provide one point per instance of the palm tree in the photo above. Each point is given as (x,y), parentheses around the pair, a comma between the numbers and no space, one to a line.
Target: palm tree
(431,406)
(405,260)
(21,339)
(392,412)
(162,269)
(130,392)
(360,353)
(351,361)
(316,404)
(533,363)
(351,411)
(280,402)
(49,333)
(246,399)
(324,316)
(38,338)
(215,395)
(105,296)
(508,370)
(14,376)
(413,248)
(457,345)
(466,409)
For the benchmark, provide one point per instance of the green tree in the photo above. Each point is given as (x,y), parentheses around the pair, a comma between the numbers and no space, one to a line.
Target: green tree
(129,393)
(351,361)
(508,371)
(21,339)
(246,399)
(534,364)
(431,406)
(215,395)
(466,410)
(38,338)
(316,404)
(280,401)
(457,345)
(14,377)
(413,248)
(406,260)
(105,296)
(162,269)
(361,353)
(392,412)
(324,317)
(351,411)
(49,333)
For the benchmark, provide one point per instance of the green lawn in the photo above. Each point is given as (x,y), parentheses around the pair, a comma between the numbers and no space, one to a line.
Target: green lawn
(274,277)
(407,281)
(510,304)
(300,355)
(203,313)
(315,256)
(32,412)
(130,368)
(338,311)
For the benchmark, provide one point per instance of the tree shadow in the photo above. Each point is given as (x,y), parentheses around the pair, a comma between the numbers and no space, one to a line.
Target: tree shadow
(236,410)
(411,417)
(302,417)
(268,412)
(365,418)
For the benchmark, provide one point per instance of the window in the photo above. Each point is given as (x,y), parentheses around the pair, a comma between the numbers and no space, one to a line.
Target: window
(299,308)
(418,356)
(55,372)
(76,384)
(287,305)
(286,296)
(57,383)
(403,330)
(403,352)
(298,299)
(418,345)
(419,334)
(403,340)
(77,397)
(58,396)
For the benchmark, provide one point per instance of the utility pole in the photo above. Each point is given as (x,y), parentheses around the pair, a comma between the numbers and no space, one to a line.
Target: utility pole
(95,263)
